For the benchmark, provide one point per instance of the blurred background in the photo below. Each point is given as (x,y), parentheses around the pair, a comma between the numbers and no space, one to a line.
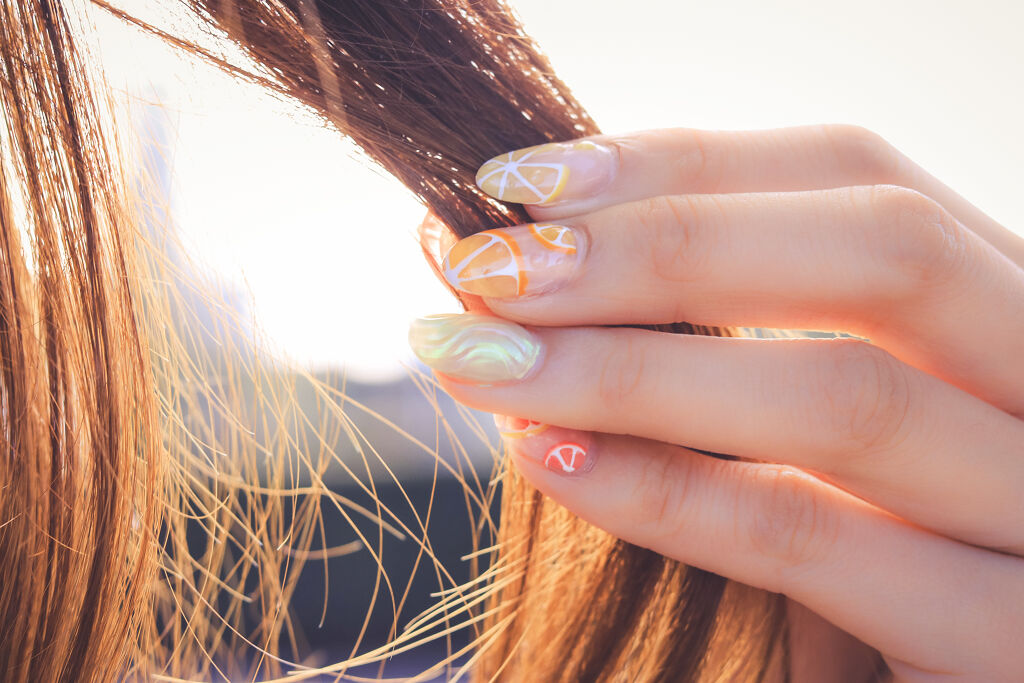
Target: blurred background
(318,249)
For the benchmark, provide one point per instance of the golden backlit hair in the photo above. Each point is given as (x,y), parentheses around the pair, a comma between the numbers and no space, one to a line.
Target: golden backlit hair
(161,487)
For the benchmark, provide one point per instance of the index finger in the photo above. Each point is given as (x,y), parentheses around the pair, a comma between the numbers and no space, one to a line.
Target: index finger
(566,179)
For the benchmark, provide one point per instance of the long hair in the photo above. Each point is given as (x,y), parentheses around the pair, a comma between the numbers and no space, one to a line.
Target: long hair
(101,475)
(79,468)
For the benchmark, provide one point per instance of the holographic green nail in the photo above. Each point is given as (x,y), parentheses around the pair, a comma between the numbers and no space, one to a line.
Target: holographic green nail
(475,348)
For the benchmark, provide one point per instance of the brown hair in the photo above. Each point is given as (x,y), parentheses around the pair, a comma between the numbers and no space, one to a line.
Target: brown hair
(77,406)
(429,90)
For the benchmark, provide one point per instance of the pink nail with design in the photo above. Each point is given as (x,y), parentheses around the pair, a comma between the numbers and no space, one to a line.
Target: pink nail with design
(560,450)
(566,457)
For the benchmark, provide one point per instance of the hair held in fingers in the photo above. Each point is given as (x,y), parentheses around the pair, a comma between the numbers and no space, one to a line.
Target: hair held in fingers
(99,580)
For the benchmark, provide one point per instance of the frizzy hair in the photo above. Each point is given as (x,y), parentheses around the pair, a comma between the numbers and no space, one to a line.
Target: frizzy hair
(429,89)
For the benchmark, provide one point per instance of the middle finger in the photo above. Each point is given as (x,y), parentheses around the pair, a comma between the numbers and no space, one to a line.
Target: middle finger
(882,262)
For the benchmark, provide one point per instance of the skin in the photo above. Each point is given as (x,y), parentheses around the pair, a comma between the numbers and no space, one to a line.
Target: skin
(881,486)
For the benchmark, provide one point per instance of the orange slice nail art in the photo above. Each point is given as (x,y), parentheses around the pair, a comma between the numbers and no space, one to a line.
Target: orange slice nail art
(489,263)
(511,262)
(517,427)
(547,173)
(554,237)
(520,177)
(566,457)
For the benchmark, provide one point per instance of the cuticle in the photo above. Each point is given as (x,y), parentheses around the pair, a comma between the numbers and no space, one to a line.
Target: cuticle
(583,243)
(540,361)
(613,172)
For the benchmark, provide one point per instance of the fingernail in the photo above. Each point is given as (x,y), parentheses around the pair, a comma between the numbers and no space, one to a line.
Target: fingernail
(556,171)
(511,262)
(475,348)
(517,427)
(560,450)
(566,457)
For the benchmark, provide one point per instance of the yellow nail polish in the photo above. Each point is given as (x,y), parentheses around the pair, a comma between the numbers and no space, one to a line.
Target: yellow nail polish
(547,173)
(512,262)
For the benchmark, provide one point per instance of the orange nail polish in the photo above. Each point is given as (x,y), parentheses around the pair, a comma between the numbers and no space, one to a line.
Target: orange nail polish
(517,427)
(566,457)
(512,262)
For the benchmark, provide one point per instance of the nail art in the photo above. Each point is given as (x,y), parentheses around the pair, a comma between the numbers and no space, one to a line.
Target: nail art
(547,173)
(475,348)
(511,262)
(517,427)
(558,449)
(566,457)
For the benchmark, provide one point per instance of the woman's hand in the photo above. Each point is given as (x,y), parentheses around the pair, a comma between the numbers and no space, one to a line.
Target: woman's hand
(882,480)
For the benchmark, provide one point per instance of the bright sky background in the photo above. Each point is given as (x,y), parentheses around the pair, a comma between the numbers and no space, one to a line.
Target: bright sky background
(325,245)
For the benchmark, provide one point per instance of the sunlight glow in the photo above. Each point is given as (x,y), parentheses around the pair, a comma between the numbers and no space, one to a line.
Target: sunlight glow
(324,245)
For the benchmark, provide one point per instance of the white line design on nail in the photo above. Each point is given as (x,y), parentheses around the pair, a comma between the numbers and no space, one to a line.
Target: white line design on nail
(513,268)
(509,165)
(559,452)
(564,239)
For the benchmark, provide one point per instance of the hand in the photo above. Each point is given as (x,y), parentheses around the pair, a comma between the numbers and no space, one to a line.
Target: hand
(881,483)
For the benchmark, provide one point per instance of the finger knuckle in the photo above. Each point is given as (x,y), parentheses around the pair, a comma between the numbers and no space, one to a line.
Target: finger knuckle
(867,156)
(917,239)
(661,495)
(669,225)
(866,398)
(792,523)
(686,158)
(622,373)
(694,166)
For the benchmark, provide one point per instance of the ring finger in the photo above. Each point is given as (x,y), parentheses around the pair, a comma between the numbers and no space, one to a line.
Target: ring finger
(887,432)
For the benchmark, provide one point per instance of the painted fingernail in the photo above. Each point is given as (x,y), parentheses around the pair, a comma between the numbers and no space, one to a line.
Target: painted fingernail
(560,450)
(567,457)
(511,262)
(475,348)
(518,427)
(544,174)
